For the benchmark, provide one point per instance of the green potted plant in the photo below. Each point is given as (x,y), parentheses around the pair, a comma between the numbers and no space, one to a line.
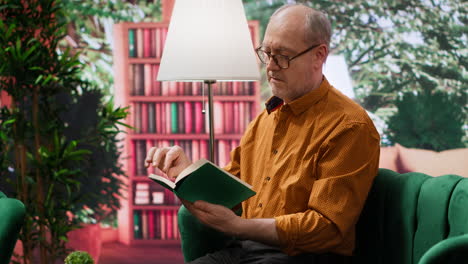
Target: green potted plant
(79,257)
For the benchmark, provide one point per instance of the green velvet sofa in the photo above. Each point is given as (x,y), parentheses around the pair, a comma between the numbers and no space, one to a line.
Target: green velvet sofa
(12,213)
(408,218)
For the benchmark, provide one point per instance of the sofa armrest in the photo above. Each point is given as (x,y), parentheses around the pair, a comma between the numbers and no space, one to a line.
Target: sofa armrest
(453,250)
(12,213)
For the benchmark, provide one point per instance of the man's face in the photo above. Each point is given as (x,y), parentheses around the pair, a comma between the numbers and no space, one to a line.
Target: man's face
(285,35)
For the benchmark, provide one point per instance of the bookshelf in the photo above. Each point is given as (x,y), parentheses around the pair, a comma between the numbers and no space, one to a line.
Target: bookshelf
(166,114)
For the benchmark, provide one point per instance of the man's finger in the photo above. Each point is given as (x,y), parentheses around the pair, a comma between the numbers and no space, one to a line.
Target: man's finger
(171,156)
(149,156)
(158,156)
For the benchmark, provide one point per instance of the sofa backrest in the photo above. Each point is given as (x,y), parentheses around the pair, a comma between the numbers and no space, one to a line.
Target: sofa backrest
(406,214)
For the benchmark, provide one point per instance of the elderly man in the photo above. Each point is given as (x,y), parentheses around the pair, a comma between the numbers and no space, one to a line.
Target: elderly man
(311,155)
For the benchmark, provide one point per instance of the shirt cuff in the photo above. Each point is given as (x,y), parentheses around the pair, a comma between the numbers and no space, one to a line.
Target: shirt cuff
(287,227)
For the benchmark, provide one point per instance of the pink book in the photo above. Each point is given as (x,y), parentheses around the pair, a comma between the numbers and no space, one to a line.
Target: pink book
(158,43)
(168,118)
(222,146)
(199,118)
(163,224)
(236,121)
(173,88)
(174,224)
(151,230)
(195,150)
(218,114)
(204,149)
(137,118)
(241,117)
(144,118)
(169,227)
(180,88)
(158,117)
(144,224)
(146,42)
(147,79)
(139,44)
(165,88)
(188,117)
(149,145)
(156,84)
(163,37)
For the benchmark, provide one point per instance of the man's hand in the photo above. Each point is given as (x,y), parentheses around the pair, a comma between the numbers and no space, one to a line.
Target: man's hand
(225,220)
(216,216)
(170,160)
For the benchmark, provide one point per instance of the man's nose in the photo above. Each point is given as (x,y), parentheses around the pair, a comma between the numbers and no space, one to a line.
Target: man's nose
(272,65)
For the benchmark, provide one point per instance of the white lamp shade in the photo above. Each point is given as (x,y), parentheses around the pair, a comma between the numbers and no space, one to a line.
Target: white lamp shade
(336,71)
(208,40)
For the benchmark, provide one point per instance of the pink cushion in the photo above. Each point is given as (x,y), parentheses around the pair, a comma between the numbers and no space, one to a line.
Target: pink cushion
(454,161)
(388,158)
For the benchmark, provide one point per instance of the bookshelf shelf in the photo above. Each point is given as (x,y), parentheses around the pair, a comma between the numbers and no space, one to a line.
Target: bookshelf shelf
(165,114)
(193,98)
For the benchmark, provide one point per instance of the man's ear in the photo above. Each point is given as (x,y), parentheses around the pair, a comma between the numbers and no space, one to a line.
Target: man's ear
(321,54)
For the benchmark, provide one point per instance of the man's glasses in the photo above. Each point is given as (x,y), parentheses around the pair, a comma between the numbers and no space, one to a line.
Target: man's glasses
(281,60)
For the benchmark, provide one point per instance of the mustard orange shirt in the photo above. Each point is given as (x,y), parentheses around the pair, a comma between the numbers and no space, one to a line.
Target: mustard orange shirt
(312,163)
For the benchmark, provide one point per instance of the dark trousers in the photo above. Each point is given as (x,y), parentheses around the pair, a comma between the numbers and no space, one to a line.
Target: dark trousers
(250,252)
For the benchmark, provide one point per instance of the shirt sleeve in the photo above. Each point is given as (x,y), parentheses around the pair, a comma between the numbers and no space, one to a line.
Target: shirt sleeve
(346,165)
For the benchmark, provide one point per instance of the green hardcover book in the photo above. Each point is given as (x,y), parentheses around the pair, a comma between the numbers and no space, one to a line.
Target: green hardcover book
(131,43)
(137,225)
(174,119)
(205,181)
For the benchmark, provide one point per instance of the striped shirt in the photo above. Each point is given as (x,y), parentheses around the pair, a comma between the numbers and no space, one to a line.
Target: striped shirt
(312,163)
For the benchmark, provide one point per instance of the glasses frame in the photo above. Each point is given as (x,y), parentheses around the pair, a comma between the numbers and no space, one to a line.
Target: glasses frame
(275,57)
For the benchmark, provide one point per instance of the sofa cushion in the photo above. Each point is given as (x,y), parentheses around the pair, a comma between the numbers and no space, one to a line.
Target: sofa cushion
(388,158)
(431,162)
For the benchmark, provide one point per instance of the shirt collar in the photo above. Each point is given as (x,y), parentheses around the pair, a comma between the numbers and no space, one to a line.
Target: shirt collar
(301,104)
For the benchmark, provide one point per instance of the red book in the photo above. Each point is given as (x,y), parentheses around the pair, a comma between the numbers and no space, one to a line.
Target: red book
(195,150)
(147,79)
(151,233)
(146,42)
(218,114)
(137,118)
(174,224)
(158,117)
(144,118)
(199,118)
(188,115)
(144,224)
(181,117)
(153,43)
(156,84)
(131,79)
(236,120)
(163,118)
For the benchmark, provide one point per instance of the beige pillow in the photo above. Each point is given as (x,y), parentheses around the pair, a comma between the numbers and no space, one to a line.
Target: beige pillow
(388,158)
(454,161)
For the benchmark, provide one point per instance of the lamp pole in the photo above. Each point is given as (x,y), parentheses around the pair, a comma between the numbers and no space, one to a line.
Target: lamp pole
(211,117)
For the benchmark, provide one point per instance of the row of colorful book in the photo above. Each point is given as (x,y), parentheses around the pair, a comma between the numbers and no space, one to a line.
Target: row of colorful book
(155,224)
(188,117)
(195,150)
(146,42)
(143,81)
(153,194)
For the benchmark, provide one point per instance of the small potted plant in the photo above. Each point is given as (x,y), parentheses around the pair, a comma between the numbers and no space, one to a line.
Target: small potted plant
(79,257)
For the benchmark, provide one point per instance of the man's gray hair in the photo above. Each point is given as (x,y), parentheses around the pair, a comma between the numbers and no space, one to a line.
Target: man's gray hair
(318,27)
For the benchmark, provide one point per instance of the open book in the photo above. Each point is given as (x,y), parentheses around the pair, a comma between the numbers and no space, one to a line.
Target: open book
(205,181)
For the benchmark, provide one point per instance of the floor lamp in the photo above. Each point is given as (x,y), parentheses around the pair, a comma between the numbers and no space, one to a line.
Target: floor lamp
(208,41)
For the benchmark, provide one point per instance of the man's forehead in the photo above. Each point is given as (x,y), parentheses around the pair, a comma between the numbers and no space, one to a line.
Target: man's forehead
(277,47)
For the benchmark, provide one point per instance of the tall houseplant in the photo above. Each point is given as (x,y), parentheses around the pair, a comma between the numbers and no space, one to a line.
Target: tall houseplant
(58,141)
